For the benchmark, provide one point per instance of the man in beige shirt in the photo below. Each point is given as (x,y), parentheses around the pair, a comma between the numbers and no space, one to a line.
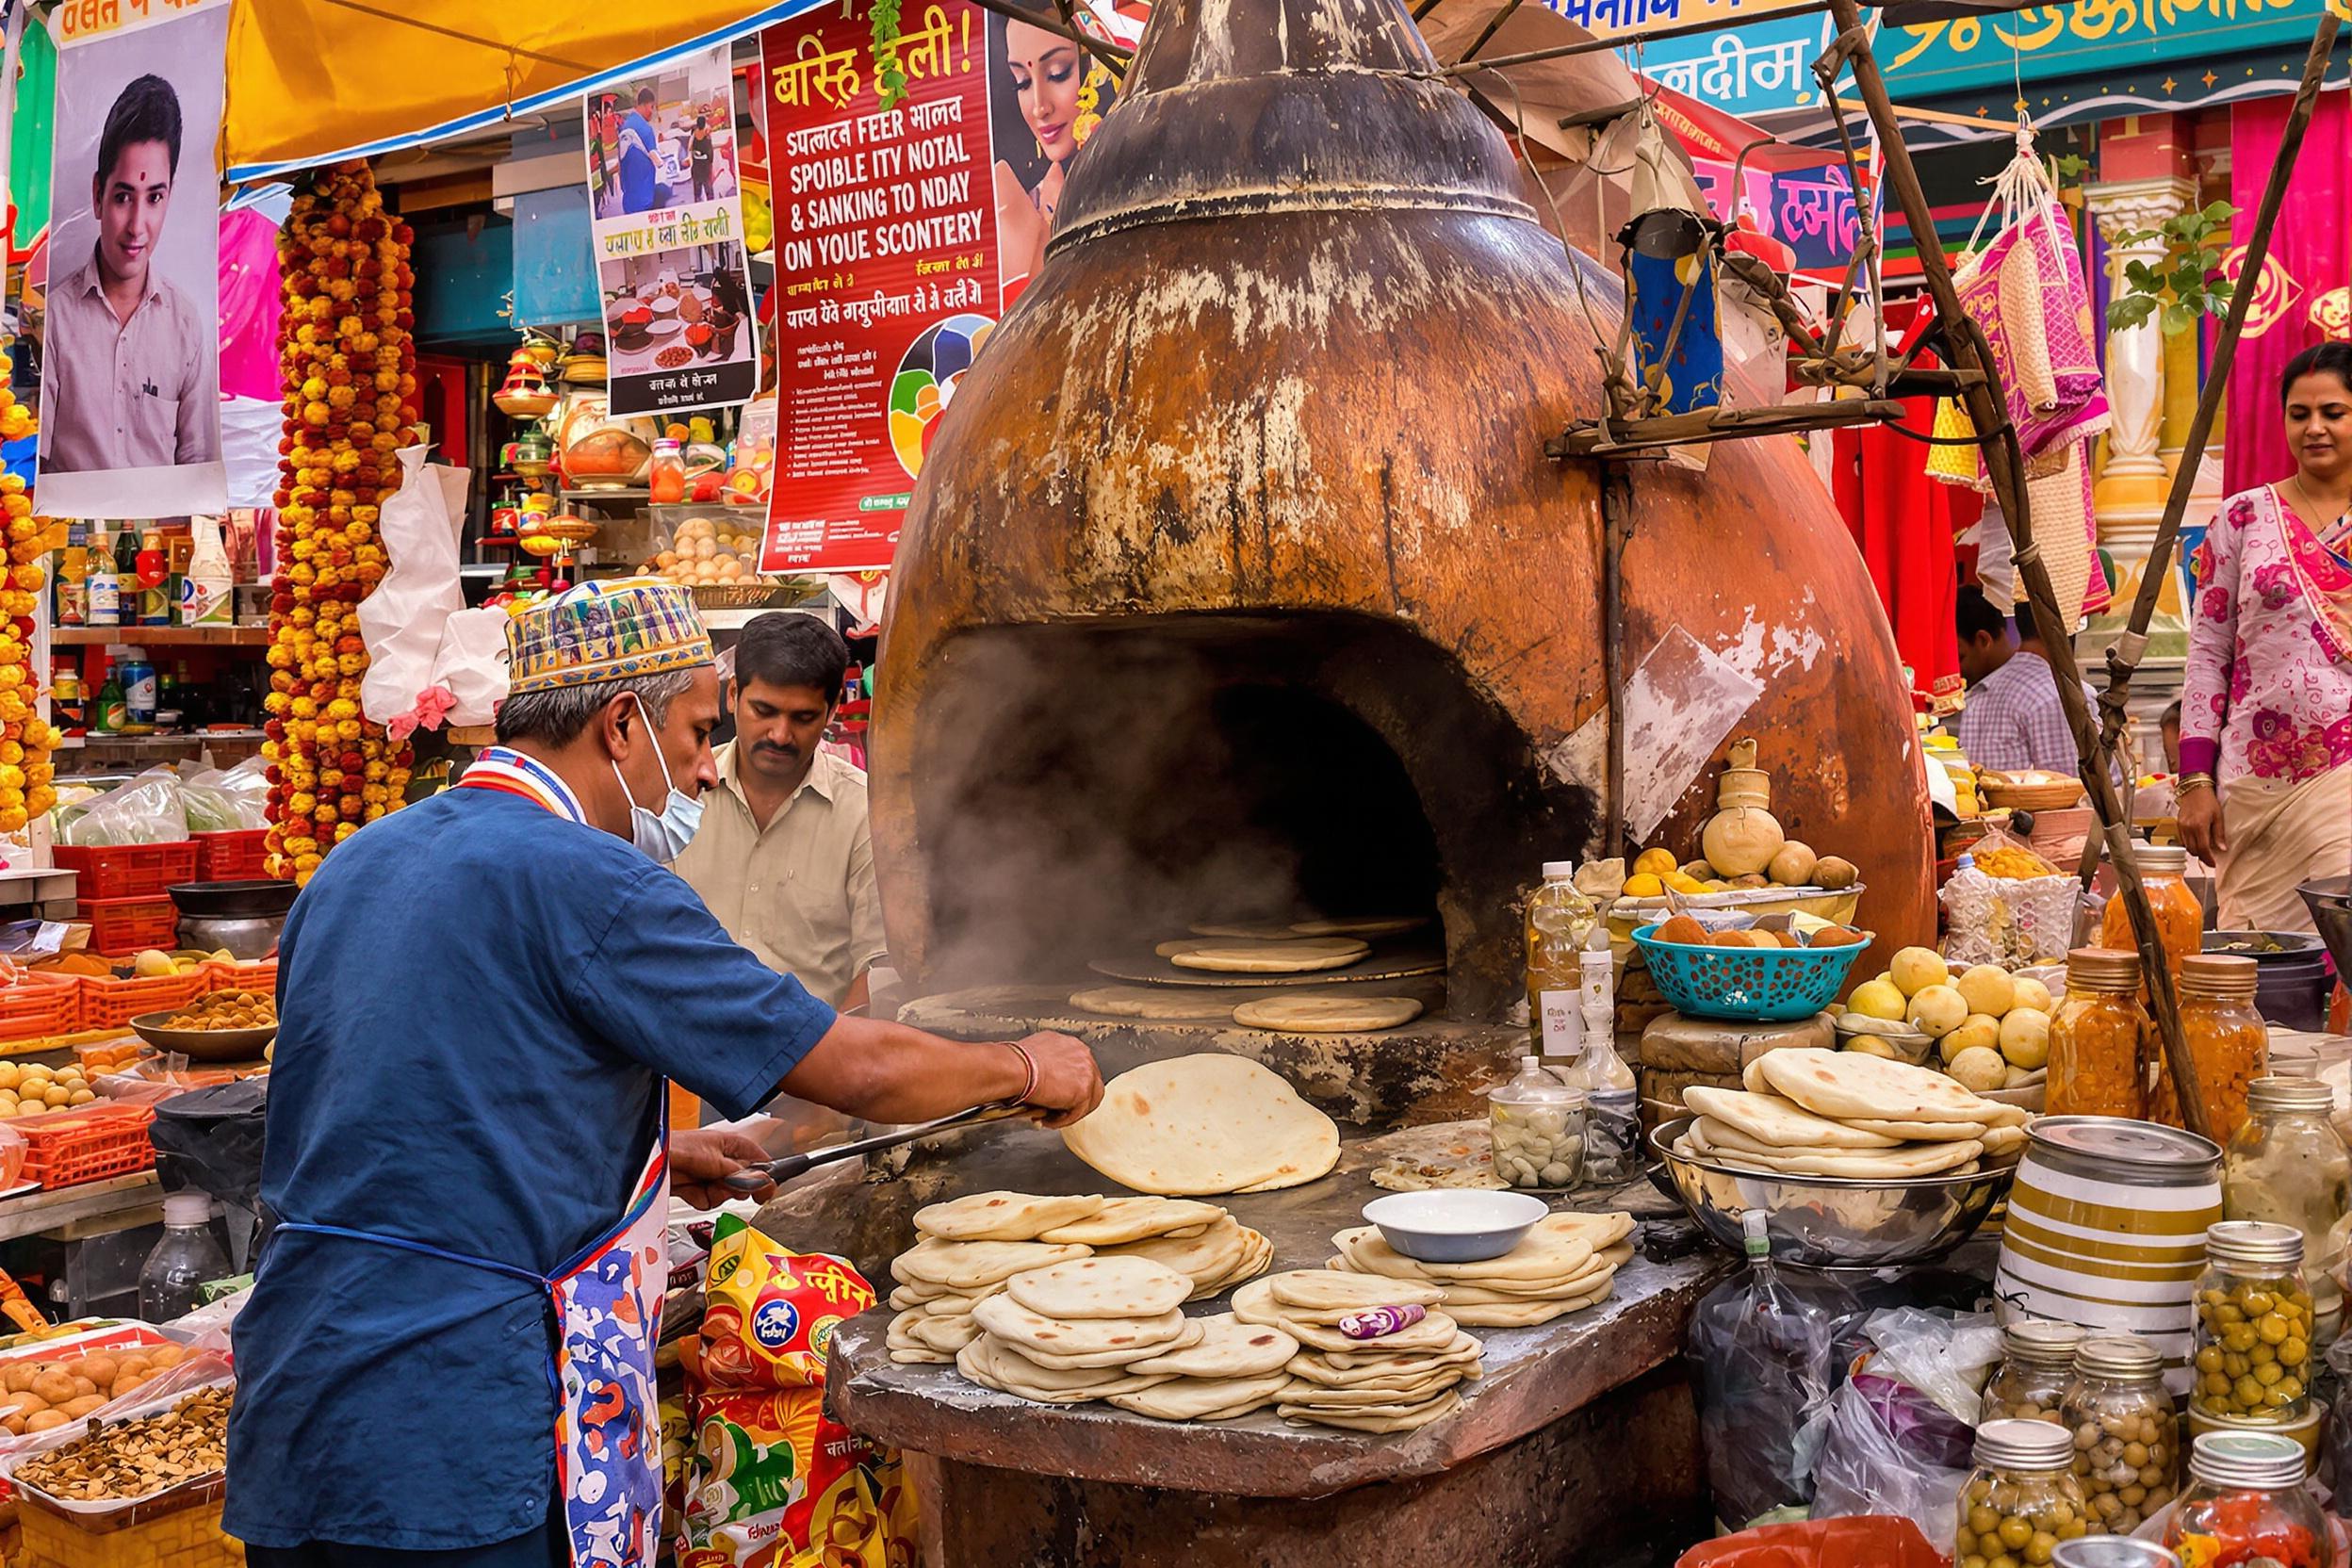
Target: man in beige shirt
(132,367)
(782,857)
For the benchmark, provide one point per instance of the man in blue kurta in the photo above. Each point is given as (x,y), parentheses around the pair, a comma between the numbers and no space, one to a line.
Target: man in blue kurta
(482,998)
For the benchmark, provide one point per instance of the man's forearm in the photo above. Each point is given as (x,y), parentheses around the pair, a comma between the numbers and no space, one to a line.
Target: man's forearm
(888,1072)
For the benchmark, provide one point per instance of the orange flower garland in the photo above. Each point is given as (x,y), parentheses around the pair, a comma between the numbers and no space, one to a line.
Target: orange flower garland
(350,403)
(26,741)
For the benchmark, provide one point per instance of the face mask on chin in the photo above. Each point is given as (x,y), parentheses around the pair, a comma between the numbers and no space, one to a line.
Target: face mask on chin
(662,834)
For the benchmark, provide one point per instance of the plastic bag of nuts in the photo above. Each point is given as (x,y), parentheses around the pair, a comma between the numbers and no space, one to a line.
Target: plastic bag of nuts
(2125,1442)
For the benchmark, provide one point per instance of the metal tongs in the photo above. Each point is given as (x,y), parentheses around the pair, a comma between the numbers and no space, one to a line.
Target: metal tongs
(753,1177)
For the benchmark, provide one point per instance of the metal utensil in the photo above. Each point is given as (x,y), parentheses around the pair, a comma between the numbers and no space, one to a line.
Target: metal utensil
(753,1177)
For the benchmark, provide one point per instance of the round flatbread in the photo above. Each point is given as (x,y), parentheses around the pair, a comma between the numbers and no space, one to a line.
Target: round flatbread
(1228,1347)
(1100,1286)
(1366,927)
(1443,1406)
(1777,1123)
(1123,1219)
(1203,1259)
(1203,1124)
(1527,1314)
(1894,1164)
(1318,1014)
(1003,1215)
(995,1366)
(1321,1290)
(1298,956)
(1035,1333)
(1247,931)
(965,1266)
(1444,1154)
(1158,1004)
(1841,1084)
(1202,1398)
(1554,1247)
(1919,1132)
(1253,1263)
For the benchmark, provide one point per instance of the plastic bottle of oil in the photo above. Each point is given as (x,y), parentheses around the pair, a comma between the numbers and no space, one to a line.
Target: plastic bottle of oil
(1558,919)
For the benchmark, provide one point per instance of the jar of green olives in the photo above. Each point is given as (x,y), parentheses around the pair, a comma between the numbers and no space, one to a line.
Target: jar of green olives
(2022,1498)
(2037,1364)
(2126,1450)
(2254,1321)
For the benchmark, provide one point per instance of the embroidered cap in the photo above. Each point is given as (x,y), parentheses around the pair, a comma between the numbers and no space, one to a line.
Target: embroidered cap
(604,631)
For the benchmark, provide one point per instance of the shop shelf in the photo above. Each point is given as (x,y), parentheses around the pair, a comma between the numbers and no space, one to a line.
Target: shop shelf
(126,871)
(235,857)
(38,1006)
(87,1143)
(110,1003)
(121,926)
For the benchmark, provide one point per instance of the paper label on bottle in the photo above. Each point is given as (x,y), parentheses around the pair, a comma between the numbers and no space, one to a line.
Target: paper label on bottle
(1562,1023)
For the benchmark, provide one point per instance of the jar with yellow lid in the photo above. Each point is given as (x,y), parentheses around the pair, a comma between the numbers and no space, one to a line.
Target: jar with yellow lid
(2254,1324)
(2179,915)
(2099,1040)
(2289,1166)
(2225,1036)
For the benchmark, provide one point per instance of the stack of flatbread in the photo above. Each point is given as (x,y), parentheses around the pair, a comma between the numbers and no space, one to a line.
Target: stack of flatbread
(1204,1123)
(1388,1381)
(972,1246)
(1807,1112)
(1110,1328)
(1566,1263)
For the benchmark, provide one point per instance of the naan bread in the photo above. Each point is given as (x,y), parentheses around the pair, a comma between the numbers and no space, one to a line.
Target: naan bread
(1777,1123)
(1103,1285)
(992,1365)
(1917,1159)
(1298,955)
(1317,1290)
(1202,1124)
(1419,1416)
(1920,1132)
(1121,1219)
(965,1266)
(1324,1014)
(1003,1215)
(1206,1398)
(1228,1347)
(1159,1004)
(1841,1084)
(1035,1333)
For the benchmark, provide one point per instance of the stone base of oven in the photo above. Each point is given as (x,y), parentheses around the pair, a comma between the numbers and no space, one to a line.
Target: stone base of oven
(1431,1069)
(1618,1481)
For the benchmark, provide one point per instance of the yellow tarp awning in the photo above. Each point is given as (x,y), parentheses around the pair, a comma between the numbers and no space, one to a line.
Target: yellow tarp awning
(312,80)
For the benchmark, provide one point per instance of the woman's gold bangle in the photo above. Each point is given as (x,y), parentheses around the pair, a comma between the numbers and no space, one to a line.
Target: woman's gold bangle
(2194,781)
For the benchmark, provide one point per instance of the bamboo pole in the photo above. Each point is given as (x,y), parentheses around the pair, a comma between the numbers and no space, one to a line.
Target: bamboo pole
(2004,463)
(2123,658)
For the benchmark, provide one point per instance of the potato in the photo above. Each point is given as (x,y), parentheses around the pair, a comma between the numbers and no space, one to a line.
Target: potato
(1834,873)
(12,1424)
(19,1377)
(55,1386)
(129,1380)
(84,1388)
(99,1368)
(48,1420)
(166,1355)
(73,1410)
(29,1403)
(132,1363)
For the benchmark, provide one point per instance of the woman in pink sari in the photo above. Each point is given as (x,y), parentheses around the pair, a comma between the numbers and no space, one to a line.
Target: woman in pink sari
(2267,709)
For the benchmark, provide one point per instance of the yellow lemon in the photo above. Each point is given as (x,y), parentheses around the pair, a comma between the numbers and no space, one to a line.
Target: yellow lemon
(1876,998)
(1657,863)
(1683,884)
(1644,885)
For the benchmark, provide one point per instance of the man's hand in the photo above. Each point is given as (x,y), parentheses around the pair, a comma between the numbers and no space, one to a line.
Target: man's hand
(2199,814)
(702,1157)
(1068,1083)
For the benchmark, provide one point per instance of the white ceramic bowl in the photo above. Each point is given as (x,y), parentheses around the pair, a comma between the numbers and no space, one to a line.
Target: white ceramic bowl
(1455,1225)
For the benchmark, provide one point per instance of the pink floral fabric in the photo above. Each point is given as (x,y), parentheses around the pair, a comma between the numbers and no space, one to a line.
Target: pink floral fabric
(2269,691)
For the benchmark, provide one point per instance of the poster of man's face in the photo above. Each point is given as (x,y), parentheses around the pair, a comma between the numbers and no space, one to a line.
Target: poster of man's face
(130,351)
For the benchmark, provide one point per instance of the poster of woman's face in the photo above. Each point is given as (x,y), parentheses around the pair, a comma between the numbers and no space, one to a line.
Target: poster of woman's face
(662,141)
(131,350)
(1046,95)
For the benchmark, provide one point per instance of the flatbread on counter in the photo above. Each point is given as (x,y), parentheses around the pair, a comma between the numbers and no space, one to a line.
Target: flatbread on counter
(1298,955)
(1204,1123)
(1777,1123)
(1326,1013)
(1159,1004)
(1842,1083)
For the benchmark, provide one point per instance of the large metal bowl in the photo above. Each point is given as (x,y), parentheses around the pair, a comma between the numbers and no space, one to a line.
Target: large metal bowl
(1832,1221)
(2331,902)
(204,1045)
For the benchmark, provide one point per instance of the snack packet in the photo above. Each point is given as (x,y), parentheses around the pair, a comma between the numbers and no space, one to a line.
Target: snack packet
(771,1481)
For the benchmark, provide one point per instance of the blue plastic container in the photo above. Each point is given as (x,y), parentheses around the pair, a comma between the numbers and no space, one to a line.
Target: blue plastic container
(1747,984)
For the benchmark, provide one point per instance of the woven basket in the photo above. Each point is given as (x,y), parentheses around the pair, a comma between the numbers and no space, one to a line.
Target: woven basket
(2035,797)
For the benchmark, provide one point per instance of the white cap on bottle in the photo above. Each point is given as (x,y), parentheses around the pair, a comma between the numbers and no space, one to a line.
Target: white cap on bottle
(1559,869)
(187,1208)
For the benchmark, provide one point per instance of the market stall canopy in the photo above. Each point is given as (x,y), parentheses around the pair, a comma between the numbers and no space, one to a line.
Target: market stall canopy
(311,81)
(1538,94)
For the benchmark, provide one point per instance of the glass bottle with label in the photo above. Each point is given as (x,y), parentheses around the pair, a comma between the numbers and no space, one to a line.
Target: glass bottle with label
(155,580)
(73,576)
(104,588)
(139,688)
(1559,918)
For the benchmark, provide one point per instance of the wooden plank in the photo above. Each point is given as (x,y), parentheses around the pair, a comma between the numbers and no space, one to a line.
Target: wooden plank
(36,1213)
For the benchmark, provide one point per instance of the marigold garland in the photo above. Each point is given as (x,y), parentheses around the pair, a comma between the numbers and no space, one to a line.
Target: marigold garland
(26,741)
(350,403)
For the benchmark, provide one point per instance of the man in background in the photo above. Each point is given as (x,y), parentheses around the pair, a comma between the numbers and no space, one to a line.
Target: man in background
(132,363)
(2013,718)
(783,856)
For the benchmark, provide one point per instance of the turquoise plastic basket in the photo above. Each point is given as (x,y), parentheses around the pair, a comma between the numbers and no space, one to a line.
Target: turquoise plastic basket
(1746,985)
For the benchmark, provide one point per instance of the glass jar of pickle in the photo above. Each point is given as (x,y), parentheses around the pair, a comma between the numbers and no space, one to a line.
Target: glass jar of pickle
(2022,1498)
(2126,1451)
(2037,1364)
(2227,1038)
(2111,1551)
(2247,1502)
(2254,1324)
(2180,914)
(2288,1165)
(2099,1040)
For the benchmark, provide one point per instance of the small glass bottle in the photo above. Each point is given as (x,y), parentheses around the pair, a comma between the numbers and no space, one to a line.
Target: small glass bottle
(2254,1324)
(2022,1498)
(2179,915)
(2227,1038)
(2289,1166)
(2246,1500)
(667,478)
(1560,917)
(2037,1364)
(184,1260)
(2099,1040)
(2125,1442)
(1537,1123)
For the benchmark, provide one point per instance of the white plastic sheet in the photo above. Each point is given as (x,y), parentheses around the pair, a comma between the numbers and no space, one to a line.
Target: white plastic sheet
(401,621)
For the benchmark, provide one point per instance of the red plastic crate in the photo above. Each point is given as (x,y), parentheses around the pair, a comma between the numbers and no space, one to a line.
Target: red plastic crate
(243,975)
(110,1003)
(239,856)
(126,871)
(121,926)
(87,1143)
(40,1004)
